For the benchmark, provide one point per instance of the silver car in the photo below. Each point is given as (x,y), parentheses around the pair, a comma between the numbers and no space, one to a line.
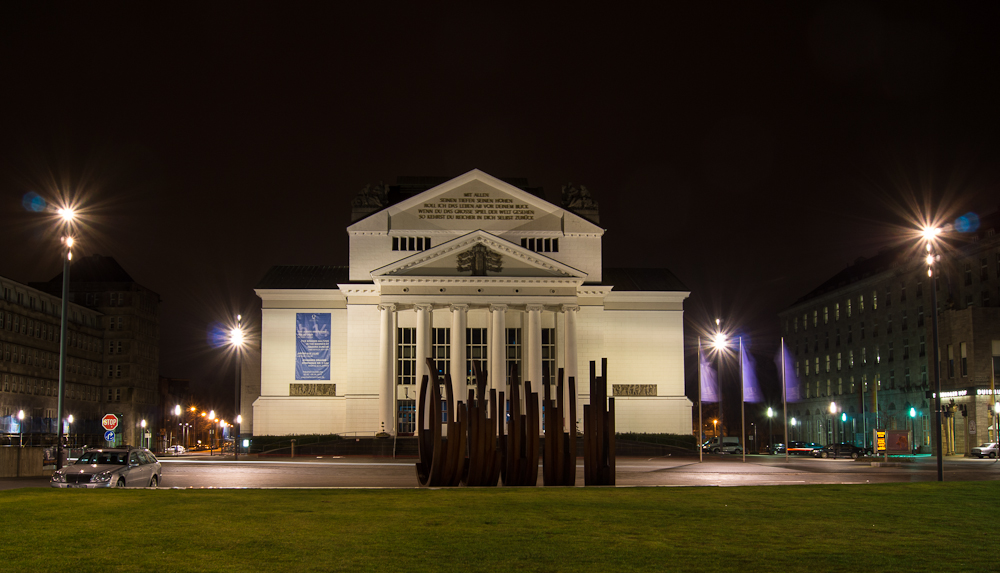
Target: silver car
(110,467)
(985,449)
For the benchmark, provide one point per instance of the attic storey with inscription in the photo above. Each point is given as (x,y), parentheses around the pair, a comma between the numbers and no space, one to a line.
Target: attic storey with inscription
(470,270)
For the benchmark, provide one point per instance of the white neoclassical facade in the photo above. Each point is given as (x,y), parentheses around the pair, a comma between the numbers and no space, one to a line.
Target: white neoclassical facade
(474,269)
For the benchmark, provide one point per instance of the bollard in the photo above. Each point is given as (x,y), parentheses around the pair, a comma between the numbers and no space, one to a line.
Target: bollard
(293,448)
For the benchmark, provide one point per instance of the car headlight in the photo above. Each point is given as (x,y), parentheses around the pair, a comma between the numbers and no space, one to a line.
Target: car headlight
(102,477)
(57,477)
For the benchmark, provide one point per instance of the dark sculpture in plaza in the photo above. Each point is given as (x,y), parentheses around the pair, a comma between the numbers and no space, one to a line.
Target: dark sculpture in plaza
(474,449)
(559,458)
(599,431)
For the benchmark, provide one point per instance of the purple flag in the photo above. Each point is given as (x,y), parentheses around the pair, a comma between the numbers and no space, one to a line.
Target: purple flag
(751,390)
(791,381)
(709,381)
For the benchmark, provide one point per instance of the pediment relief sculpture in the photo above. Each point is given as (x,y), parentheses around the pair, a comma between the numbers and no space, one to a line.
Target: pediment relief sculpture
(480,259)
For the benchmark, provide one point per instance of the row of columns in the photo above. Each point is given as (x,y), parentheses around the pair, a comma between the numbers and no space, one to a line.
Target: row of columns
(496,357)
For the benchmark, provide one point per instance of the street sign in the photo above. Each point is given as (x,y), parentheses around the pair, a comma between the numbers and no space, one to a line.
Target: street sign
(109,422)
(109,435)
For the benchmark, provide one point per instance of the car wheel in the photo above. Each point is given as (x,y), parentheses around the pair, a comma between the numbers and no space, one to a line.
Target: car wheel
(823,454)
(854,455)
(715,451)
(993,455)
(153,481)
(121,482)
(738,451)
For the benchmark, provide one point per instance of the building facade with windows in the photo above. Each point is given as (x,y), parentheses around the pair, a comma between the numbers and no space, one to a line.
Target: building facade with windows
(130,347)
(29,365)
(862,346)
(468,270)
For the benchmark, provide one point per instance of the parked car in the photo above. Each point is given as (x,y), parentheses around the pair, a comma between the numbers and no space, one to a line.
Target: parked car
(110,467)
(985,449)
(777,449)
(841,450)
(717,445)
(175,450)
(803,447)
(728,448)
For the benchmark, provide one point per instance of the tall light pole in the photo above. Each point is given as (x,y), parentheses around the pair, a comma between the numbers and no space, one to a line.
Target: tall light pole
(67,215)
(236,338)
(20,425)
(930,235)
(719,342)
(142,435)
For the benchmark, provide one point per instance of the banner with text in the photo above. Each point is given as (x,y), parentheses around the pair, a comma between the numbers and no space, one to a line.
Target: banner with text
(312,346)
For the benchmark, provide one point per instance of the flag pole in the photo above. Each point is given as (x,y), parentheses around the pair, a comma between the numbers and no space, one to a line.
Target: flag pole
(784,394)
(699,436)
(743,408)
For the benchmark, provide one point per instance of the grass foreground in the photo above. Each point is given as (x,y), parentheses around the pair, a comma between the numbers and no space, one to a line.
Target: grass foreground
(880,527)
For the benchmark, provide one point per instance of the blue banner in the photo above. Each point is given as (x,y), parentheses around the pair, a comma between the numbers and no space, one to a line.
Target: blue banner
(312,346)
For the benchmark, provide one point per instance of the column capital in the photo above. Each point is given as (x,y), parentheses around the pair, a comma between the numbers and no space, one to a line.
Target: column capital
(459,307)
(534,307)
(570,307)
(498,307)
(390,307)
(424,306)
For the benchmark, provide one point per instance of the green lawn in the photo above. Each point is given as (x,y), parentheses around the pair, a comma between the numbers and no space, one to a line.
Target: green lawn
(888,527)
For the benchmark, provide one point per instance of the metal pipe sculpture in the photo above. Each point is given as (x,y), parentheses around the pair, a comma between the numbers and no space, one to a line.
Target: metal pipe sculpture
(442,461)
(599,431)
(483,465)
(559,456)
(520,445)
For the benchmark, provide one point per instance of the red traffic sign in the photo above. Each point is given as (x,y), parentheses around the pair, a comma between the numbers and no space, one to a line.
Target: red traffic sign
(110,422)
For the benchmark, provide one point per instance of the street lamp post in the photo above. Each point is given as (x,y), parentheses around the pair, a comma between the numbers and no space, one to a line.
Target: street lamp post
(69,433)
(67,216)
(770,431)
(142,435)
(930,233)
(20,426)
(236,338)
(833,422)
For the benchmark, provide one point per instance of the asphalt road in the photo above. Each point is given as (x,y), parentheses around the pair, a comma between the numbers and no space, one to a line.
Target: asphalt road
(202,471)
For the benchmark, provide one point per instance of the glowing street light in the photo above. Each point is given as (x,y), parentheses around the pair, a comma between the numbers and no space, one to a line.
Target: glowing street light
(20,425)
(930,236)
(68,216)
(237,339)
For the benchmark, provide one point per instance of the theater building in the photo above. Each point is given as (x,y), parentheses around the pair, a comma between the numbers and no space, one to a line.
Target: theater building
(473,269)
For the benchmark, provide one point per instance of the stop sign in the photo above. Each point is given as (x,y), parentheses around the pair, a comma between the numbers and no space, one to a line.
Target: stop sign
(110,422)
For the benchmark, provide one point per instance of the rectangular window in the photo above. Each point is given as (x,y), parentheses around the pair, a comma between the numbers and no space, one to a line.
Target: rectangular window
(848,308)
(888,296)
(968,274)
(549,352)
(906,348)
(441,350)
(890,353)
(815,318)
(923,345)
(475,351)
(965,359)
(862,331)
(850,334)
(406,415)
(838,362)
(902,321)
(951,361)
(861,304)
(826,315)
(874,300)
(850,359)
(840,385)
(906,377)
(920,316)
(836,311)
(888,324)
(920,287)
(923,375)
(406,356)
(837,338)
(902,292)
(514,349)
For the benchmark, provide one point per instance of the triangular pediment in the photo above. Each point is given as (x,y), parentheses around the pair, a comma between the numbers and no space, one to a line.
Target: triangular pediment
(481,253)
(475,200)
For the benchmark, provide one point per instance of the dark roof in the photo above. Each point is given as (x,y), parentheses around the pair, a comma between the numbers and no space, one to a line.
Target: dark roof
(92,269)
(642,280)
(304,277)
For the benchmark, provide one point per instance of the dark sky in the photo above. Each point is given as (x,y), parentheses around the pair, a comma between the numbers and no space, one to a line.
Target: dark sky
(755,149)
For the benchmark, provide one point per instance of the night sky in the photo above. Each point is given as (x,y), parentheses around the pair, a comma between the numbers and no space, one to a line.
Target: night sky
(753,149)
